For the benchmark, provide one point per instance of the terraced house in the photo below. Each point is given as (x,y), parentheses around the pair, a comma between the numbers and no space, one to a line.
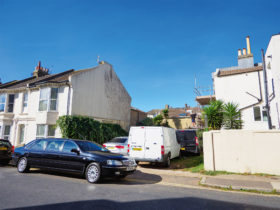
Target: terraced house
(30,107)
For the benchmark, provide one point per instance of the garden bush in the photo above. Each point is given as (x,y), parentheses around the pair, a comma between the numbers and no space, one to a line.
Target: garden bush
(86,128)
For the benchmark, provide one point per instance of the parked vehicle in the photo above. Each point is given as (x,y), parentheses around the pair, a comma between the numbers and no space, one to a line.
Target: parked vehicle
(6,150)
(189,141)
(153,144)
(78,156)
(117,145)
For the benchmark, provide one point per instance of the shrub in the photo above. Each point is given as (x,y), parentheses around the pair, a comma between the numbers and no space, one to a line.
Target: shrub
(81,127)
(146,122)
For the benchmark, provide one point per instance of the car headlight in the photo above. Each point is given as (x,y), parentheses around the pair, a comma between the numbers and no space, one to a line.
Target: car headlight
(114,163)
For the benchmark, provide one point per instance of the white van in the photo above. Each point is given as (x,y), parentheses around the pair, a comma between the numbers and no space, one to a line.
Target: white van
(153,144)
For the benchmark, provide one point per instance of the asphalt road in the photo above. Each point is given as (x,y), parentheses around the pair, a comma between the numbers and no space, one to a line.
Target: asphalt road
(45,190)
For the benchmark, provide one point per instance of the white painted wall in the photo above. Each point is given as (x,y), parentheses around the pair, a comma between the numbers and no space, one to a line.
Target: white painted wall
(233,88)
(32,116)
(272,56)
(242,151)
(99,93)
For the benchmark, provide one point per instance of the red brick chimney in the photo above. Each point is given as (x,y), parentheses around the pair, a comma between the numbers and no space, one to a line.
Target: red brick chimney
(40,71)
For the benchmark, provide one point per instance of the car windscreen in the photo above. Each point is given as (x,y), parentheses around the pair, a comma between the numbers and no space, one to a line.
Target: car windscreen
(90,146)
(185,135)
(5,143)
(118,140)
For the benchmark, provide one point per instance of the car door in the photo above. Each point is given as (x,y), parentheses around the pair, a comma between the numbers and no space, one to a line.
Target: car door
(71,161)
(35,152)
(51,154)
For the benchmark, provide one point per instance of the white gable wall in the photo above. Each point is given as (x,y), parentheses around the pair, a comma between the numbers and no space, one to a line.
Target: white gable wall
(99,93)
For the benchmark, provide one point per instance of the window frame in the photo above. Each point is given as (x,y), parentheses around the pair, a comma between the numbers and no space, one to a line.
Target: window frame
(5,135)
(25,102)
(20,133)
(11,103)
(262,113)
(46,131)
(3,103)
(49,99)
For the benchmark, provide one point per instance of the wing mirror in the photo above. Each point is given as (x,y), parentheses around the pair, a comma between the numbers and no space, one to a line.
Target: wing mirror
(75,151)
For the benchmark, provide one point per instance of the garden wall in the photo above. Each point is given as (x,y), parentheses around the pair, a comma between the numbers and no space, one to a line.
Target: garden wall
(242,151)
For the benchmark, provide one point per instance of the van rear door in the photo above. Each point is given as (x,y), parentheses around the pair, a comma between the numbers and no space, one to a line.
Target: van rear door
(154,141)
(137,142)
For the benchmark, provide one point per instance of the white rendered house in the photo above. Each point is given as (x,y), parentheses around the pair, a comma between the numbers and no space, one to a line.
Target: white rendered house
(244,85)
(30,107)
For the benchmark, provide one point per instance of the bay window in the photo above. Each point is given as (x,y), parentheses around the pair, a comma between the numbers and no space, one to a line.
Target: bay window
(24,102)
(11,103)
(48,99)
(45,131)
(2,102)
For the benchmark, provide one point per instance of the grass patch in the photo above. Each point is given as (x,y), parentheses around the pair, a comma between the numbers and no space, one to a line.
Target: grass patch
(189,163)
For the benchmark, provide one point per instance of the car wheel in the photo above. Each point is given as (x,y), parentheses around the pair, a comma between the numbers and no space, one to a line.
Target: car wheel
(93,173)
(167,162)
(22,165)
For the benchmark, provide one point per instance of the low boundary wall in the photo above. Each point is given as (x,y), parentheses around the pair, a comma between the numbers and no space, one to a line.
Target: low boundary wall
(242,151)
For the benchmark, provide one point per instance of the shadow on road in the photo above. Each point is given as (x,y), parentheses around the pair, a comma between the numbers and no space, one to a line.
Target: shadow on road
(138,177)
(174,203)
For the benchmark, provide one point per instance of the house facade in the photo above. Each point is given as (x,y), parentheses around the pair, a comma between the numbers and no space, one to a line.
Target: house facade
(272,61)
(30,107)
(244,85)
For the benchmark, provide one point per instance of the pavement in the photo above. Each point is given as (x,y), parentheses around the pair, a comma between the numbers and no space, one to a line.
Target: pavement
(253,183)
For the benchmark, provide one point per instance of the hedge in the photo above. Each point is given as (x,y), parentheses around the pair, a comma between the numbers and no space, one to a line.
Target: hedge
(86,128)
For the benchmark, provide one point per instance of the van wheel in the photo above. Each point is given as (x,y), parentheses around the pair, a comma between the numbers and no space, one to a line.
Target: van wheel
(22,165)
(197,152)
(167,162)
(93,173)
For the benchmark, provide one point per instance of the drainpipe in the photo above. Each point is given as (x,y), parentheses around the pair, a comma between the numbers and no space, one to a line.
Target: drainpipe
(68,98)
(266,93)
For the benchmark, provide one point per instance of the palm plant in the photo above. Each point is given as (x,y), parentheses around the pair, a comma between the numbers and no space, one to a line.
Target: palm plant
(232,116)
(214,114)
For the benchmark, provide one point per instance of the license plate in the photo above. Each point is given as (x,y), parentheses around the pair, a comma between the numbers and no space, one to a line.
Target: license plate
(110,147)
(3,148)
(183,148)
(137,149)
(130,168)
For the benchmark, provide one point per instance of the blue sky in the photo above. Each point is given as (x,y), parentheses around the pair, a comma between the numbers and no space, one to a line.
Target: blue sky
(156,47)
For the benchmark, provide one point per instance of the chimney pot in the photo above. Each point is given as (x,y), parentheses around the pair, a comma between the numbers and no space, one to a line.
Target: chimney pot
(248,45)
(239,52)
(244,51)
(166,106)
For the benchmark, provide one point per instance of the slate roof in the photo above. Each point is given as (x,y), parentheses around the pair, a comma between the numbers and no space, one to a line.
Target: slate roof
(33,81)
(223,73)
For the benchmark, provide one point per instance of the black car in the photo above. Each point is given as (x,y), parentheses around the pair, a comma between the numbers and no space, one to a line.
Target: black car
(6,150)
(188,140)
(79,156)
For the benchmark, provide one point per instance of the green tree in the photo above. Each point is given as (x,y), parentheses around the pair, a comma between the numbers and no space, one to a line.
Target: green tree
(231,116)
(146,122)
(214,114)
(165,114)
(158,120)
